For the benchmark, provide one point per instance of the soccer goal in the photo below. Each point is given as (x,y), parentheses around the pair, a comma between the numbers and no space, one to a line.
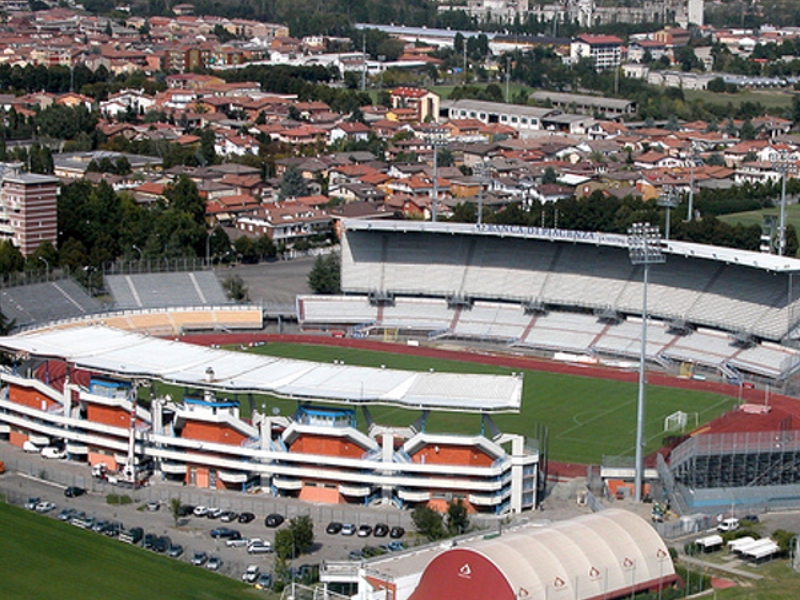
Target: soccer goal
(677,421)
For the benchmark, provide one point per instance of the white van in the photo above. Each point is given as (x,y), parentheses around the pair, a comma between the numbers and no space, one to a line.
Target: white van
(53,452)
(731,524)
(29,446)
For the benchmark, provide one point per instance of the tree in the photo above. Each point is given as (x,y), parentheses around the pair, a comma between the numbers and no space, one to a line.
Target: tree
(293,184)
(235,288)
(457,517)
(325,275)
(296,539)
(175,509)
(550,175)
(183,196)
(428,522)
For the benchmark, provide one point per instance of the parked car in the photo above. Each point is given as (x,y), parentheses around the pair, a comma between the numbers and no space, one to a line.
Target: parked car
(175,550)
(53,452)
(251,574)
(381,530)
(66,513)
(214,513)
(259,548)
(246,517)
(396,546)
(100,525)
(199,559)
(751,518)
(364,530)
(238,542)
(730,524)
(200,511)
(74,491)
(348,529)
(133,536)
(29,446)
(153,506)
(161,544)
(32,502)
(214,563)
(333,528)
(397,532)
(225,533)
(45,507)
(273,520)
(264,581)
(114,529)
(149,540)
(229,516)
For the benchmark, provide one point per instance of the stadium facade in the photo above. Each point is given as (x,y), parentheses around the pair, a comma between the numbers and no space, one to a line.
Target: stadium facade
(575,295)
(78,386)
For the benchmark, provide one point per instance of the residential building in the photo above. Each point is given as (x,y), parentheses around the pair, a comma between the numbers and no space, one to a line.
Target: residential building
(28,210)
(605,51)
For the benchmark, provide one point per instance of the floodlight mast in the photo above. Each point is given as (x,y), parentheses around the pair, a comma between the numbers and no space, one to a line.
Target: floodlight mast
(644,248)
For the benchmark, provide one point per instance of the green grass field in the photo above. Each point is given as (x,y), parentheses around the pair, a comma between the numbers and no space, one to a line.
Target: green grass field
(754,217)
(587,418)
(771,99)
(45,559)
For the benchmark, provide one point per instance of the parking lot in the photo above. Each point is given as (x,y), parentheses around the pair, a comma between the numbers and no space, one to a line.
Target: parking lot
(31,476)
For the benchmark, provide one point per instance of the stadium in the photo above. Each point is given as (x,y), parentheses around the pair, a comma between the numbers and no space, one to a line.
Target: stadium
(716,314)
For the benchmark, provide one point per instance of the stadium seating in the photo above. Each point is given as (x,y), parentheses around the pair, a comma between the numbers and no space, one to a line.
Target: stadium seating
(48,301)
(159,290)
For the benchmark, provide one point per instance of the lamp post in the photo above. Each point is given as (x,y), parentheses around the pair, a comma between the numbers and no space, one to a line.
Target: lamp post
(690,211)
(784,169)
(139,250)
(644,248)
(436,138)
(46,264)
(669,200)
(479,171)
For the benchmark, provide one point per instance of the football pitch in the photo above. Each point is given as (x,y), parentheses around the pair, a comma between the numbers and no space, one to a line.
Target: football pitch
(587,418)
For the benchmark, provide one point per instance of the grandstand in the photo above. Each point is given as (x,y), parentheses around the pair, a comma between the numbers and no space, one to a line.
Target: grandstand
(553,290)
(47,301)
(159,290)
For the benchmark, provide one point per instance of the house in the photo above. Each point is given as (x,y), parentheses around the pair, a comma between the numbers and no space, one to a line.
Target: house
(236,145)
(425,104)
(353,131)
(287,222)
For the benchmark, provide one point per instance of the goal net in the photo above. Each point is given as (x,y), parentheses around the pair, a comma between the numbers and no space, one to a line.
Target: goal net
(676,421)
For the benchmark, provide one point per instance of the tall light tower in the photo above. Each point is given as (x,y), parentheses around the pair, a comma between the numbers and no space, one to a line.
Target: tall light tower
(784,168)
(692,165)
(436,138)
(669,200)
(644,248)
(479,171)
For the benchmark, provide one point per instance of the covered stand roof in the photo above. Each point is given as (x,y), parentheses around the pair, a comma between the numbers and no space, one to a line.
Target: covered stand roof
(133,355)
(602,555)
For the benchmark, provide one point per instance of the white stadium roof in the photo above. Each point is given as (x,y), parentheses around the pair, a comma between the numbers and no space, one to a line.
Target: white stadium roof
(745,258)
(132,355)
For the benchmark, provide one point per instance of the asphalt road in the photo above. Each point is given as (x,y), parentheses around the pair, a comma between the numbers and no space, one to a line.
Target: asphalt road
(273,282)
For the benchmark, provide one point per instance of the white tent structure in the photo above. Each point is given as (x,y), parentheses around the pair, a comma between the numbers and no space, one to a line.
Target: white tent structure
(132,356)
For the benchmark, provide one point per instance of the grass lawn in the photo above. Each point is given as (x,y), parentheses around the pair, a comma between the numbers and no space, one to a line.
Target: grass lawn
(754,217)
(587,418)
(770,99)
(514,88)
(45,559)
(779,583)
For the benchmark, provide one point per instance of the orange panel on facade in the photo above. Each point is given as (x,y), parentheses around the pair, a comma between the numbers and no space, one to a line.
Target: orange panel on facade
(96,458)
(327,495)
(29,397)
(327,446)
(453,455)
(212,432)
(17,438)
(201,478)
(108,415)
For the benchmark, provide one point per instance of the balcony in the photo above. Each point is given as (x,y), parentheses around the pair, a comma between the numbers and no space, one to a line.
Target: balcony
(77,448)
(39,440)
(286,484)
(173,468)
(233,476)
(488,499)
(359,491)
(414,495)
